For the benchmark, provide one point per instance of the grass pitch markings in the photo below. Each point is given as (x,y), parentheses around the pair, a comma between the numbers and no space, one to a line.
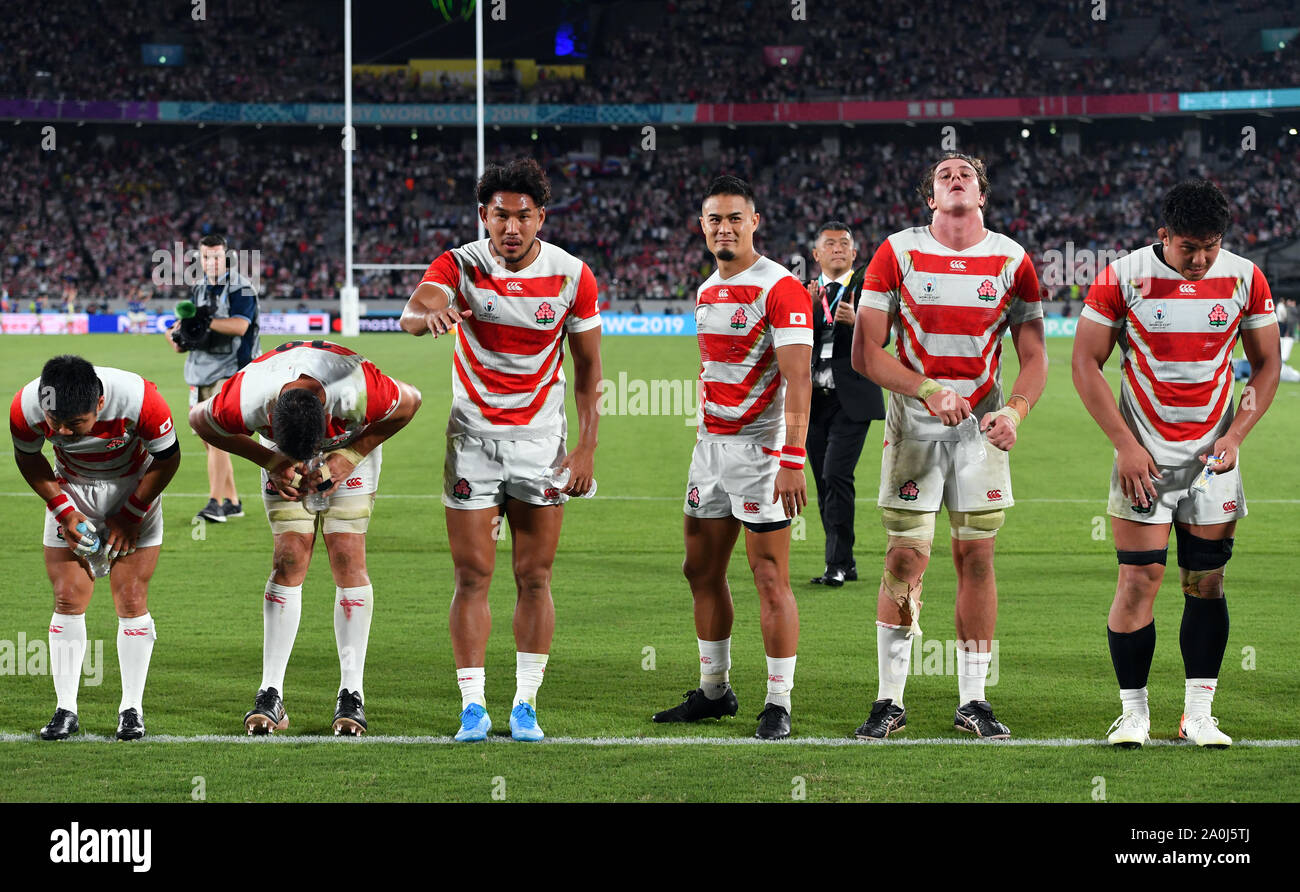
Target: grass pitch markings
(401,740)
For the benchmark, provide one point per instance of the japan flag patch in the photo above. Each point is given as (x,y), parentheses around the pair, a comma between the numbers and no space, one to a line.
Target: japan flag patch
(798,318)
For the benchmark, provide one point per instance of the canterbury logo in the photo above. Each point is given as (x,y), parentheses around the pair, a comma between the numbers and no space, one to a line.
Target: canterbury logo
(723,292)
(353,482)
(1229,506)
(957,264)
(751,507)
(1187,288)
(776,678)
(348,605)
(514,287)
(56,629)
(136,633)
(706,660)
(993,495)
(275,599)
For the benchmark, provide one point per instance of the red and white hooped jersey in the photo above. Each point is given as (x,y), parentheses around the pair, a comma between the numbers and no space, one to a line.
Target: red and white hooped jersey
(357,393)
(949,311)
(508,368)
(134,423)
(739,323)
(1176,339)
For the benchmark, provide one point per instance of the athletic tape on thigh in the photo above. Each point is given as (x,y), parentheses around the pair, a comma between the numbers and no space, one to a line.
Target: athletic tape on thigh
(1154,556)
(1195,553)
(966,525)
(909,529)
(290,517)
(349,514)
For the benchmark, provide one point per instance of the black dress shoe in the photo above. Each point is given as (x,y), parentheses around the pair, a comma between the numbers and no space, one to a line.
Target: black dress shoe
(62,726)
(830,577)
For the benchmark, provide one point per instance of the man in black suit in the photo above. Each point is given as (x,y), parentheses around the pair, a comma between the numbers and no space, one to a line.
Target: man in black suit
(843,401)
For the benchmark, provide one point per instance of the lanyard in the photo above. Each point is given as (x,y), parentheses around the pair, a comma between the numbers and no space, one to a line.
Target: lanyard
(829,309)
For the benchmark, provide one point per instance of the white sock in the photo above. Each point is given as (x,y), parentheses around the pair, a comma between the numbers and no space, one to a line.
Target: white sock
(972,670)
(1199,696)
(715,666)
(529,669)
(67,650)
(893,660)
(1135,700)
(353,608)
(281,610)
(780,680)
(135,638)
(471,683)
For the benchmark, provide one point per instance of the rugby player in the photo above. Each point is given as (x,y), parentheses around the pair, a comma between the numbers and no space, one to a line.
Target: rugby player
(1177,309)
(311,402)
(510,300)
(755,332)
(115,451)
(950,291)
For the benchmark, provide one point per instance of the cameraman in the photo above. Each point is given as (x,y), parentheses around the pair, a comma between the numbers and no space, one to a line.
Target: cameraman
(221,338)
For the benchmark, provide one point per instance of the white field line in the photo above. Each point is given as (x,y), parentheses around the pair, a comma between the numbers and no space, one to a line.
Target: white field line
(864,500)
(625,741)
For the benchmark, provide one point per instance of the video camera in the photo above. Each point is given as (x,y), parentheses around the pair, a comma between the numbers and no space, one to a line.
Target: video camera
(194,332)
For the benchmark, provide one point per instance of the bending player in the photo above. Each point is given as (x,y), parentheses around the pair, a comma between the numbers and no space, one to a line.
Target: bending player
(755,333)
(950,290)
(309,400)
(1176,308)
(518,297)
(115,451)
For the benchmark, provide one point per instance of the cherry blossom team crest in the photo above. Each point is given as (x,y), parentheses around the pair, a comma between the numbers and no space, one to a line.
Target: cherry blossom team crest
(461,489)
(986,291)
(739,319)
(693,497)
(545,315)
(1218,315)
(909,491)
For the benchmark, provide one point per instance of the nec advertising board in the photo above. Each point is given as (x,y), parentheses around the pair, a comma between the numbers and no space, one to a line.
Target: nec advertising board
(268,323)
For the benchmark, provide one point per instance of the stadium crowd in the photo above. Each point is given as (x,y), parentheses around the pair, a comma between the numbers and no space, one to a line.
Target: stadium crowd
(281,51)
(92,214)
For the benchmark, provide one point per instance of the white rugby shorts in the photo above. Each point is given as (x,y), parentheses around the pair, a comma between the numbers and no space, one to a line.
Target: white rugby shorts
(733,480)
(923,475)
(1223,500)
(101,499)
(481,472)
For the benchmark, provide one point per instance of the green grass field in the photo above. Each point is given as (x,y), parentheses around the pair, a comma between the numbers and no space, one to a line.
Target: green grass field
(619,593)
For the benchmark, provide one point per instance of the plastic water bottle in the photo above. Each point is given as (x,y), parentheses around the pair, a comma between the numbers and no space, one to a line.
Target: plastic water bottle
(559,478)
(970,442)
(1202,481)
(98,559)
(316,501)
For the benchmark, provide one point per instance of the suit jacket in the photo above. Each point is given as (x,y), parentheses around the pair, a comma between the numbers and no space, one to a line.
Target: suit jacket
(860,397)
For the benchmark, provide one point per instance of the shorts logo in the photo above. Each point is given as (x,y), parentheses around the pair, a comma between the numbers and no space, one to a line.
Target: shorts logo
(1187,288)
(550,493)
(909,491)
(1230,506)
(957,265)
(115,443)
(1138,509)
(545,315)
(461,489)
(739,319)
(270,489)
(353,482)
(58,531)
(751,507)
(515,287)
(1218,315)
(993,495)
(693,497)
(986,291)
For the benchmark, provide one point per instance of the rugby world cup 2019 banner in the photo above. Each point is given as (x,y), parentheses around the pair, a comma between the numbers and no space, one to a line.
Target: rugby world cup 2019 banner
(674,324)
